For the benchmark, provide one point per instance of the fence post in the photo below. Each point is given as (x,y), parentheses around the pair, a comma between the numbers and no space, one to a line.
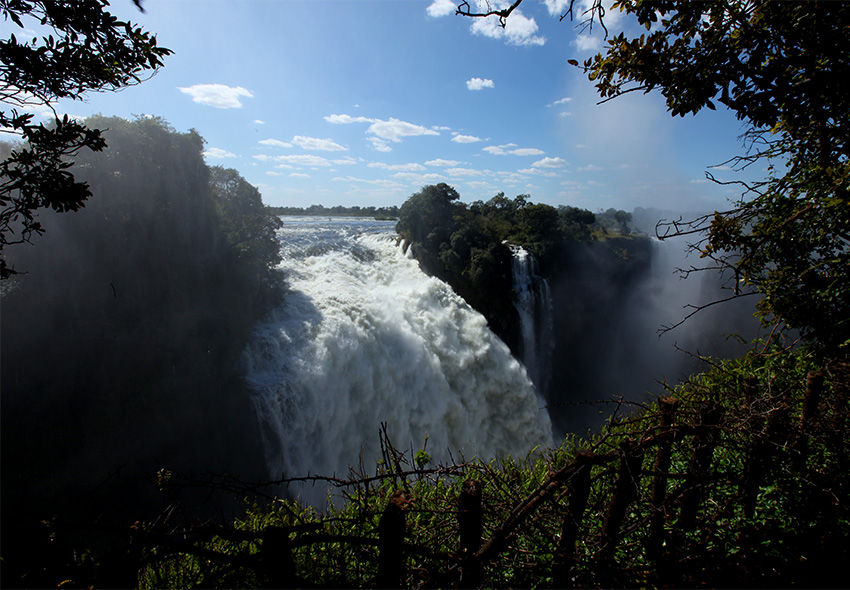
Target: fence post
(625,492)
(391,531)
(470,525)
(276,558)
(704,443)
(580,491)
(655,540)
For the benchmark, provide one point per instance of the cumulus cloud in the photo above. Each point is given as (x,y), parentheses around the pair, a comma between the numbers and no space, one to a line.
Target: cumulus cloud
(217,95)
(218,153)
(465,172)
(518,29)
(564,100)
(345,119)
(259,122)
(414,178)
(314,143)
(502,150)
(379,145)
(440,162)
(549,163)
(412,167)
(441,8)
(394,129)
(479,83)
(275,143)
(391,130)
(299,175)
(465,138)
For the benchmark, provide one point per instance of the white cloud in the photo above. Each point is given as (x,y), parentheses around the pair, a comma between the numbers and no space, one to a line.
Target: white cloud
(299,175)
(589,168)
(379,145)
(549,163)
(346,119)
(465,138)
(394,129)
(314,143)
(439,162)
(275,143)
(501,150)
(479,83)
(308,160)
(259,122)
(557,7)
(465,172)
(415,178)
(217,95)
(218,153)
(441,8)
(412,167)
(391,130)
(518,29)
(564,100)
(565,114)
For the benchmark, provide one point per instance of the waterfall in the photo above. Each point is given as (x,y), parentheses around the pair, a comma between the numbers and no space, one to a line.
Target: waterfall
(533,303)
(365,337)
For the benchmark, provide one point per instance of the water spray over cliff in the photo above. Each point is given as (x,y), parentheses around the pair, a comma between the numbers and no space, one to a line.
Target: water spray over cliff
(364,336)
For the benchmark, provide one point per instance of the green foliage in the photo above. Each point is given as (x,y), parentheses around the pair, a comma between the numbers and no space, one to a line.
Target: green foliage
(792,536)
(778,66)
(84,49)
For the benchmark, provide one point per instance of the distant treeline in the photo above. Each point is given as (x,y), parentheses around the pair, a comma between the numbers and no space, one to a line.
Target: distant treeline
(466,244)
(338,211)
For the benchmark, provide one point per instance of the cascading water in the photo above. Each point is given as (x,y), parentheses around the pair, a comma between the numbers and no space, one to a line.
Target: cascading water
(365,337)
(533,303)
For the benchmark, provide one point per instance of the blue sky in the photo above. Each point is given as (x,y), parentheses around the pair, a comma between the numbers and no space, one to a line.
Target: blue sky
(362,102)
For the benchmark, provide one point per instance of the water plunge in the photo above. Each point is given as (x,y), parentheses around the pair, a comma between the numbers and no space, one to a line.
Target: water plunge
(533,302)
(365,337)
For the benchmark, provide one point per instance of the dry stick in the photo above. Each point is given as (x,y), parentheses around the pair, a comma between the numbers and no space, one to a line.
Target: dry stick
(391,530)
(470,525)
(564,554)
(625,492)
(655,541)
(705,441)
(527,506)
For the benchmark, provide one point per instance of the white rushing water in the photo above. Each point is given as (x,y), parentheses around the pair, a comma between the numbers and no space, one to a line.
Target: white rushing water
(534,305)
(365,337)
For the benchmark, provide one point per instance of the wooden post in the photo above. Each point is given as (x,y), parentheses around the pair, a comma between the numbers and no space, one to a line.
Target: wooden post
(625,492)
(655,540)
(470,525)
(579,493)
(391,531)
(276,558)
(704,443)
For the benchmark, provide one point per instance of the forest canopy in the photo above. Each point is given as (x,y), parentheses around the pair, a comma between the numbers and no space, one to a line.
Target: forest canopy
(83,48)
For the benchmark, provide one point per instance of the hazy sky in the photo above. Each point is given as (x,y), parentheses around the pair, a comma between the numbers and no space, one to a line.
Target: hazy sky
(362,102)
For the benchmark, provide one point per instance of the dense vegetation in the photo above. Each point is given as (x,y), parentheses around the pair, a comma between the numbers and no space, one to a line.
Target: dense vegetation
(738,478)
(123,332)
(469,246)
(82,48)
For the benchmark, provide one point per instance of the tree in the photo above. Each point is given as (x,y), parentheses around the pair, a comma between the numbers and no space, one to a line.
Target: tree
(84,49)
(781,68)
